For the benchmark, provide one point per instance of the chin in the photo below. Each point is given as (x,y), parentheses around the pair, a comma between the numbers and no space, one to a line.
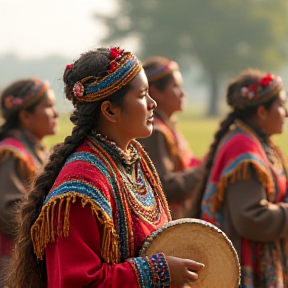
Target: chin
(147,134)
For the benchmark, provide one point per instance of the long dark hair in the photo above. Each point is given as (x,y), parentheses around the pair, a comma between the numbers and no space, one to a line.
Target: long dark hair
(26,270)
(244,79)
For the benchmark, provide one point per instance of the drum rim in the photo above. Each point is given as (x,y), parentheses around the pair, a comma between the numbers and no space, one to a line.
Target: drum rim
(153,235)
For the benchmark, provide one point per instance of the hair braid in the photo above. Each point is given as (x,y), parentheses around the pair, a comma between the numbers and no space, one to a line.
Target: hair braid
(25,269)
(31,208)
(223,129)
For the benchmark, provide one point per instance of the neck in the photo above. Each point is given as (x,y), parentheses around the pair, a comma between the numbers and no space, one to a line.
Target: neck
(165,114)
(30,135)
(115,137)
(254,124)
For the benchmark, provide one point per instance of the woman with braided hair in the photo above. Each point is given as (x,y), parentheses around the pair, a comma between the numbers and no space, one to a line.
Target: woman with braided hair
(99,196)
(27,107)
(246,179)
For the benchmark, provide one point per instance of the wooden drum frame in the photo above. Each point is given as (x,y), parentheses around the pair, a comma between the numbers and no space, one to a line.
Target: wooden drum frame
(200,241)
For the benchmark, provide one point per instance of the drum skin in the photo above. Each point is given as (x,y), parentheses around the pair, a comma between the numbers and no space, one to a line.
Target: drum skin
(200,241)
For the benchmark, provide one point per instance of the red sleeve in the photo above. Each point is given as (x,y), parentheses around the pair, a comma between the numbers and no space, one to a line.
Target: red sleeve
(75,261)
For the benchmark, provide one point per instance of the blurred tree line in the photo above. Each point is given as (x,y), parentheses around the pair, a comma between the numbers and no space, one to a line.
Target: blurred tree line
(223,36)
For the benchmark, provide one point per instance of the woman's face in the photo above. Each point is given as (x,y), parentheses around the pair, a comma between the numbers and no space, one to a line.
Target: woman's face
(42,120)
(136,117)
(273,121)
(171,99)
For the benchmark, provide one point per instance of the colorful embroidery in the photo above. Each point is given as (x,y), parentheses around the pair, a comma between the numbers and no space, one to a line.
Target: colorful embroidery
(27,164)
(112,200)
(151,271)
(263,264)
(124,69)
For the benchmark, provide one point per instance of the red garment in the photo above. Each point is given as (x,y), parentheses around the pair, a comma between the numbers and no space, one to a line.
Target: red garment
(74,261)
(182,156)
(94,222)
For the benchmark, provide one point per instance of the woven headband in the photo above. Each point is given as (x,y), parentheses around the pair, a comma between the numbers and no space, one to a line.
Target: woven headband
(158,67)
(265,89)
(123,69)
(30,94)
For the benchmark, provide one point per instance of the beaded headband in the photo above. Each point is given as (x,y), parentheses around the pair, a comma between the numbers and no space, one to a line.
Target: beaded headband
(30,94)
(123,69)
(265,89)
(158,67)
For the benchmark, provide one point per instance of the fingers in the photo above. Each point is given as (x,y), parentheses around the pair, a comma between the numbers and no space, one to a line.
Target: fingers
(192,276)
(193,265)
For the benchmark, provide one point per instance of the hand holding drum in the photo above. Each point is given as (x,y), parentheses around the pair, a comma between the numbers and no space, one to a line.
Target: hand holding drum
(187,243)
(183,271)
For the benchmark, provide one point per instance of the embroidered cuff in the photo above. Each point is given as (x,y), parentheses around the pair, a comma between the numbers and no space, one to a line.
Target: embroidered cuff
(152,271)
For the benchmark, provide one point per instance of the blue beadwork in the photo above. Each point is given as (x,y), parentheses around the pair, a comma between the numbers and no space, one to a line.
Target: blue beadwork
(152,276)
(118,75)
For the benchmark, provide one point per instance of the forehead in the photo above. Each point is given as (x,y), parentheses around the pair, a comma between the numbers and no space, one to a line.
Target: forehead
(177,77)
(282,95)
(48,98)
(140,81)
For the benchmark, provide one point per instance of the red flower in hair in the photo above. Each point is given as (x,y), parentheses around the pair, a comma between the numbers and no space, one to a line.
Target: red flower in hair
(115,52)
(266,80)
(69,66)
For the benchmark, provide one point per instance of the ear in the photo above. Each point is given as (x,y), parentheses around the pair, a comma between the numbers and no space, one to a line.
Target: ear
(25,118)
(109,111)
(261,112)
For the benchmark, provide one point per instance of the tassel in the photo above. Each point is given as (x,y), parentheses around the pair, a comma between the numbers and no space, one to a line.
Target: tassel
(242,171)
(43,230)
(24,167)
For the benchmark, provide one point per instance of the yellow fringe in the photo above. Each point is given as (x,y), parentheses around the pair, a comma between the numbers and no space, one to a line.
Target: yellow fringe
(44,232)
(24,167)
(243,171)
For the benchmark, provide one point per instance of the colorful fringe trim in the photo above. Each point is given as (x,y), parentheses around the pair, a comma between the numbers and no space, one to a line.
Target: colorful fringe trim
(243,172)
(25,167)
(46,229)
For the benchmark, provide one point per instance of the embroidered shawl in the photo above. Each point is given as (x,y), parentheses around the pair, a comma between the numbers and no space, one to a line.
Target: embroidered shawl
(12,146)
(94,174)
(240,150)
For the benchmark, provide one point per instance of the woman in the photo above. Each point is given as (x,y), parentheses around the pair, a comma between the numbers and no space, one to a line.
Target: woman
(246,178)
(27,107)
(168,149)
(99,196)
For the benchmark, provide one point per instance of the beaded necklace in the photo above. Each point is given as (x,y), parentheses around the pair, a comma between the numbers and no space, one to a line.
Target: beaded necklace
(136,188)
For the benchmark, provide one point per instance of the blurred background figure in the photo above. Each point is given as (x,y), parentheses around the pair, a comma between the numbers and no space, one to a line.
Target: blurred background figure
(178,33)
(27,107)
(167,147)
(246,178)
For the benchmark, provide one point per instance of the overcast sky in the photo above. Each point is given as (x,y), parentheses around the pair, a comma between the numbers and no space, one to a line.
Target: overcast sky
(37,28)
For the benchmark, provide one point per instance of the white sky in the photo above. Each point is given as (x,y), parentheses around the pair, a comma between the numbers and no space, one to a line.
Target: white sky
(37,28)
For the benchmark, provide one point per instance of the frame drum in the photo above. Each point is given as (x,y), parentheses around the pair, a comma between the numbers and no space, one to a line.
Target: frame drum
(200,241)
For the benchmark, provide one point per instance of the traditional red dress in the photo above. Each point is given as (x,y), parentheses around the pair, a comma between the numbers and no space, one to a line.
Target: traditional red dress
(99,211)
(240,154)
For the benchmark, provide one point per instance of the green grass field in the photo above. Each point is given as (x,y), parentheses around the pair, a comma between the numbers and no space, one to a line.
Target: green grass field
(199,132)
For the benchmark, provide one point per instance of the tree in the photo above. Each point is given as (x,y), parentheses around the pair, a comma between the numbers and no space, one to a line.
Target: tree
(224,36)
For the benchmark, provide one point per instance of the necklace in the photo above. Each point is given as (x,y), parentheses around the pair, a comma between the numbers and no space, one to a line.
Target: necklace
(127,158)
(135,187)
(132,178)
